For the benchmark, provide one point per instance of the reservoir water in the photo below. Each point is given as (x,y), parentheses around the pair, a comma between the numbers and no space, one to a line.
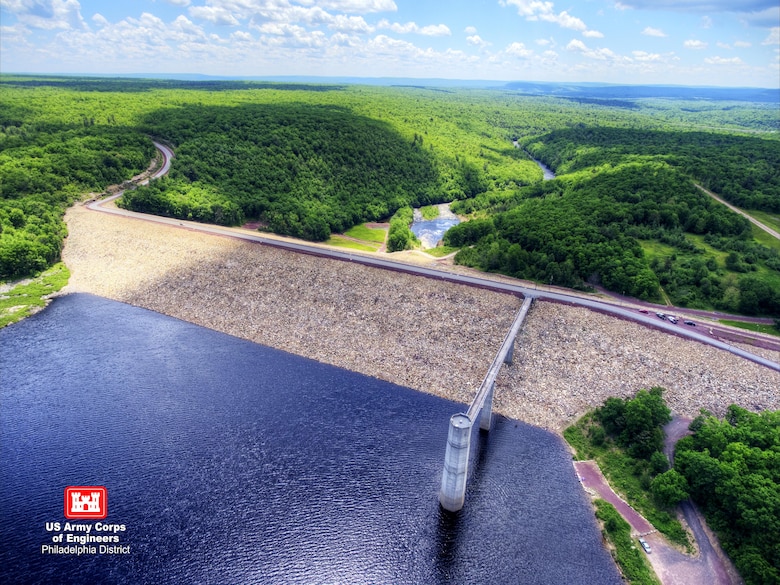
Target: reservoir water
(431,231)
(229,462)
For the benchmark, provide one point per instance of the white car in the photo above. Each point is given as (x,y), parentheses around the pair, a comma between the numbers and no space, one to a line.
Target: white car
(645,546)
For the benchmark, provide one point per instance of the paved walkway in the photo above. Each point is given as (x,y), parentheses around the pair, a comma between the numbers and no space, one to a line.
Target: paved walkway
(670,565)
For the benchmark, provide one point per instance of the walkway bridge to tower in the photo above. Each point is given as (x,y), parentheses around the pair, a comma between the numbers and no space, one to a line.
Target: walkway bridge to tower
(456,457)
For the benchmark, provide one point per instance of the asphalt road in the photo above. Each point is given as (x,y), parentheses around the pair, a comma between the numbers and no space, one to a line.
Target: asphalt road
(630,314)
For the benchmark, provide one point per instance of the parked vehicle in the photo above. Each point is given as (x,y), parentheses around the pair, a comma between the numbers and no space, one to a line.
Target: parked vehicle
(691,323)
(660,315)
(645,546)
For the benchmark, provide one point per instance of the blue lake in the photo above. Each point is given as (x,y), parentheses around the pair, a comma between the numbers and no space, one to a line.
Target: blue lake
(229,462)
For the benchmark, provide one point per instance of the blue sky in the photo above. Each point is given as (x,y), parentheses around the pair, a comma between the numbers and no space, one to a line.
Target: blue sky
(688,42)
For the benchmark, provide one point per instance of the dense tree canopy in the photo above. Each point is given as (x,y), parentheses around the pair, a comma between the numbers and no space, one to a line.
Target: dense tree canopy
(733,469)
(305,171)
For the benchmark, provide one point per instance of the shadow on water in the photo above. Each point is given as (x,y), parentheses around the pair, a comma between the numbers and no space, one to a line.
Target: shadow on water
(448,531)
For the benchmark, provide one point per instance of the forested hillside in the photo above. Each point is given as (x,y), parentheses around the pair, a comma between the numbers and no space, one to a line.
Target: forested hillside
(305,171)
(308,160)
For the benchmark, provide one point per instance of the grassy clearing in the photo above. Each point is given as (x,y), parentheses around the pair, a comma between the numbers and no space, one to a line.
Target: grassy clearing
(765,239)
(351,244)
(627,554)
(429,212)
(440,251)
(757,327)
(361,232)
(771,220)
(24,299)
(627,476)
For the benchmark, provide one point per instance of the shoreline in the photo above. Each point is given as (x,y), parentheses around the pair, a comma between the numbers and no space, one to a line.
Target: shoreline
(427,335)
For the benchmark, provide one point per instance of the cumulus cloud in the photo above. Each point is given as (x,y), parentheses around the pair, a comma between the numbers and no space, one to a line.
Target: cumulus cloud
(99,19)
(434,30)
(773,38)
(477,41)
(603,54)
(47,14)
(535,10)
(743,44)
(722,61)
(359,6)
(695,45)
(593,34)
(653,32)
(518,50)
(181,3)
(470,30)
(645,56)
(350,24)
(214,15)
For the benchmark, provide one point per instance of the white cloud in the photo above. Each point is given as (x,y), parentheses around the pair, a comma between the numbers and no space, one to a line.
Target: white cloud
(774,37)
(535,10)
(593,34)
(435,30)
(646,57)
(722,61)
(544,42)
(214,15)
(181,3)
(358,6)
(99,19)
(653,32)
(695,45)
(477,41)
(518,50)
(470,30)
(47,14)
(722,45)
(743,44)
(352,24)
(603,54)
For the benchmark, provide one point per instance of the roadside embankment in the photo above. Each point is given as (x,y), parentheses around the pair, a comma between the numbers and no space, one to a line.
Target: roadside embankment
(429,335)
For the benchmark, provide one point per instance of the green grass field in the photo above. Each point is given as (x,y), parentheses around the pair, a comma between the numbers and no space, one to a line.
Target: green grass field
(757,327)
(340,242)
(23,299)
(361,232)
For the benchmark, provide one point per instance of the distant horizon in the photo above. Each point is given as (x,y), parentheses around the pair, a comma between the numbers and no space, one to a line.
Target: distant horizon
(692,43)
(447,81)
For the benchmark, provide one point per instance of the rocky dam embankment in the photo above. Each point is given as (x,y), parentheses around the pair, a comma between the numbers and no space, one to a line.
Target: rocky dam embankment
(432,336)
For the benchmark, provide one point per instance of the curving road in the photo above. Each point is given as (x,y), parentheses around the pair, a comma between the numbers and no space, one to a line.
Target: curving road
(626,313)
(750,218)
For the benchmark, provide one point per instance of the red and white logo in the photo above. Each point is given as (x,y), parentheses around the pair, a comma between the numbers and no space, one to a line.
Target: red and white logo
(88,502)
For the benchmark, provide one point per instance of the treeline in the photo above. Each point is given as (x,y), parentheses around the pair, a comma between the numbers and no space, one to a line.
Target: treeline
(745,170)
(586,229)
(43,169)
(732,471)
(304,171)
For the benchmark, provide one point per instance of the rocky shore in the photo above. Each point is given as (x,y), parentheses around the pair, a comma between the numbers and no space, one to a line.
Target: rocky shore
(428,335)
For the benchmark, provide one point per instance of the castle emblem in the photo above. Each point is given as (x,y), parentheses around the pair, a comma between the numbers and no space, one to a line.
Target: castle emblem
(86,502)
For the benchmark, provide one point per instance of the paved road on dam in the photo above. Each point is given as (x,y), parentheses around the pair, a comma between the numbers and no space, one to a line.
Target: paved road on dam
(630,314)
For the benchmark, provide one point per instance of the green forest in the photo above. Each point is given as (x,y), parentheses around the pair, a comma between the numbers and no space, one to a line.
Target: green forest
(732,470)
(312,160)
